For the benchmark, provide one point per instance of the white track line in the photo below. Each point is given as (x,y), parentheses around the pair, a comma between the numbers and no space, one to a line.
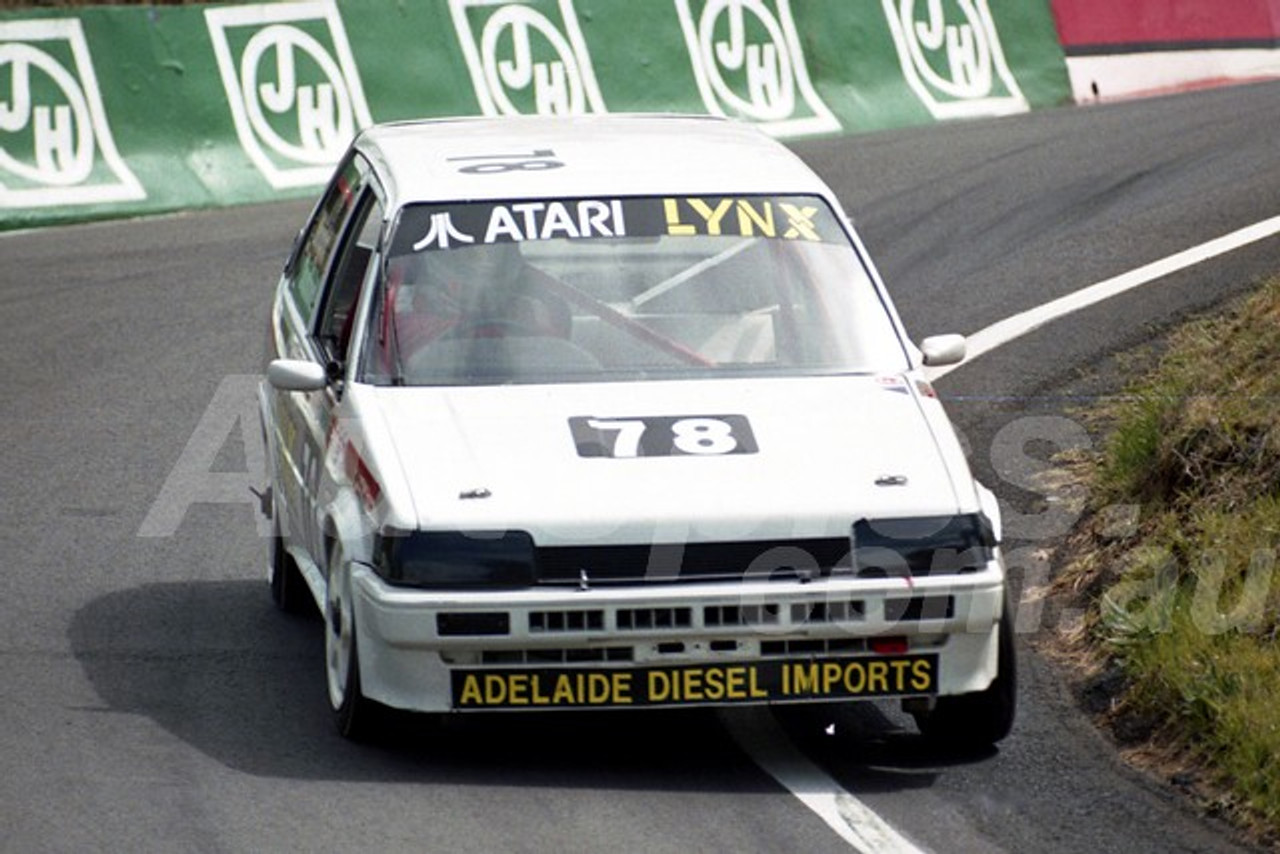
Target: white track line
(759,735)
(1004,331)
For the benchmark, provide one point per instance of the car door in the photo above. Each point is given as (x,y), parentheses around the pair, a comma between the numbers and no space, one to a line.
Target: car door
(318,299)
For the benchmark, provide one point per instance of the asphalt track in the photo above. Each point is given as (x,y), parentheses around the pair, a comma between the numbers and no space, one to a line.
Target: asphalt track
(154,700)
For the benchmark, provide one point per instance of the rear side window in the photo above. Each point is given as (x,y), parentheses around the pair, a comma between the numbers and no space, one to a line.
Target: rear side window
(349,270)
(317,248)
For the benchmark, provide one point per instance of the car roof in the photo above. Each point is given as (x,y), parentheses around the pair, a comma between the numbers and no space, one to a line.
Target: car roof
(602,155)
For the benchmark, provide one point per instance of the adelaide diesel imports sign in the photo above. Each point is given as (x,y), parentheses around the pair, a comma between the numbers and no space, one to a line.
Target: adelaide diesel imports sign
(769,681)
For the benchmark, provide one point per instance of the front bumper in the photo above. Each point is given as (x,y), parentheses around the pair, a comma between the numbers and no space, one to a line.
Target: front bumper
(692,644)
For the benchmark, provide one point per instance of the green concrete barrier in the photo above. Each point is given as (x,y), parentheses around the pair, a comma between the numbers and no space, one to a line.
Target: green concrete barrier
(122,110)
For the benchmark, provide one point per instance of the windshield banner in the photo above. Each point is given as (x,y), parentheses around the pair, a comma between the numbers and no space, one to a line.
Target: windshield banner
(430,227)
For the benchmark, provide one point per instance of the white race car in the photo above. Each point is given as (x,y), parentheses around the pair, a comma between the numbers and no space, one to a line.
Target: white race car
(615,412)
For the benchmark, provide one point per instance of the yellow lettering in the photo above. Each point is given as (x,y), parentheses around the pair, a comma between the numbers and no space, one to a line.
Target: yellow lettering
(495,690)
(539,698)
(801,220)
(806,681)
(471,691)
(852,685)
(622,688)
(518,689)
(597,688)
(756,690)
(878,677)
(734,687)
(659,686)
(831,676)
(562,694)
(899,675)
(713,683)
(712,216)
(749,219)
(921,674)
(693,690)
(674,225)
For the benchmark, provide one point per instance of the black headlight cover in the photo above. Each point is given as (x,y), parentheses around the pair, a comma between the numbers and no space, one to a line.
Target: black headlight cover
(456,560)
(921,546)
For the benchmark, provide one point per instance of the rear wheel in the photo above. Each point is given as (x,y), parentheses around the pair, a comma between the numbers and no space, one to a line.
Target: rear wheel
(288,588)
(980,719)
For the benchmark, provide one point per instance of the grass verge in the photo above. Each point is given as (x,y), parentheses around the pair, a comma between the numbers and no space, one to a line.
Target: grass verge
(1176,561)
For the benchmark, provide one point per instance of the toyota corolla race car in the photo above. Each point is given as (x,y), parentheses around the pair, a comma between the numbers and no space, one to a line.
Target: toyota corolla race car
(615,412)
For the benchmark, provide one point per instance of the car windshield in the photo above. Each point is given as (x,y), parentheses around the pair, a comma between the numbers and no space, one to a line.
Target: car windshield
(625,289)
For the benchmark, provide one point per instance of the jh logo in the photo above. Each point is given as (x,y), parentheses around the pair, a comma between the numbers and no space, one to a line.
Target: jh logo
(952,58)
(292,86)
(749,63)
(527,57)
(55,144)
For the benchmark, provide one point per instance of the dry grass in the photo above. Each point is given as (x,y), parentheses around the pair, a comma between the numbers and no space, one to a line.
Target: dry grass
(1185,606)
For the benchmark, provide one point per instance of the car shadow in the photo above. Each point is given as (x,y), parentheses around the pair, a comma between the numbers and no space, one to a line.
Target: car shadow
(216,665)
(873,747)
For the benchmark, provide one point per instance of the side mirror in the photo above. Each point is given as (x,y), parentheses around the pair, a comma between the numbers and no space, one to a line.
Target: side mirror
(296,375)
(942,350)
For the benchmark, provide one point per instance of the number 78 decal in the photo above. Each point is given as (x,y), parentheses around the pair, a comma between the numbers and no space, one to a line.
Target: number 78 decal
(664,436)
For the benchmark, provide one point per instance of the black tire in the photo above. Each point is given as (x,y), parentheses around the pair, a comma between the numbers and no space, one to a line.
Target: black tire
(356,716)
(289,590)
(979,720)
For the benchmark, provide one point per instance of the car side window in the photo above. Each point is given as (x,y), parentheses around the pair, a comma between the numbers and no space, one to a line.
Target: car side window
(317,247)
(349,271)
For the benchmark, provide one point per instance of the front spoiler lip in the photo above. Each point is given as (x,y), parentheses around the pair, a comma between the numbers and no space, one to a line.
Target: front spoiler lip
(406,617)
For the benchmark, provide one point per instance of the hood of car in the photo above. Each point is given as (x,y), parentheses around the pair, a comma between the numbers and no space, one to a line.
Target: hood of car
(669,461)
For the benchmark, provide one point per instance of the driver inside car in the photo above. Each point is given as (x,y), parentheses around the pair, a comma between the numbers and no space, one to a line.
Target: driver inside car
(474,292)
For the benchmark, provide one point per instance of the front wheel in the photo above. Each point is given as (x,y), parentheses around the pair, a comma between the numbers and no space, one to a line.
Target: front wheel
(980,719)
(353,713)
